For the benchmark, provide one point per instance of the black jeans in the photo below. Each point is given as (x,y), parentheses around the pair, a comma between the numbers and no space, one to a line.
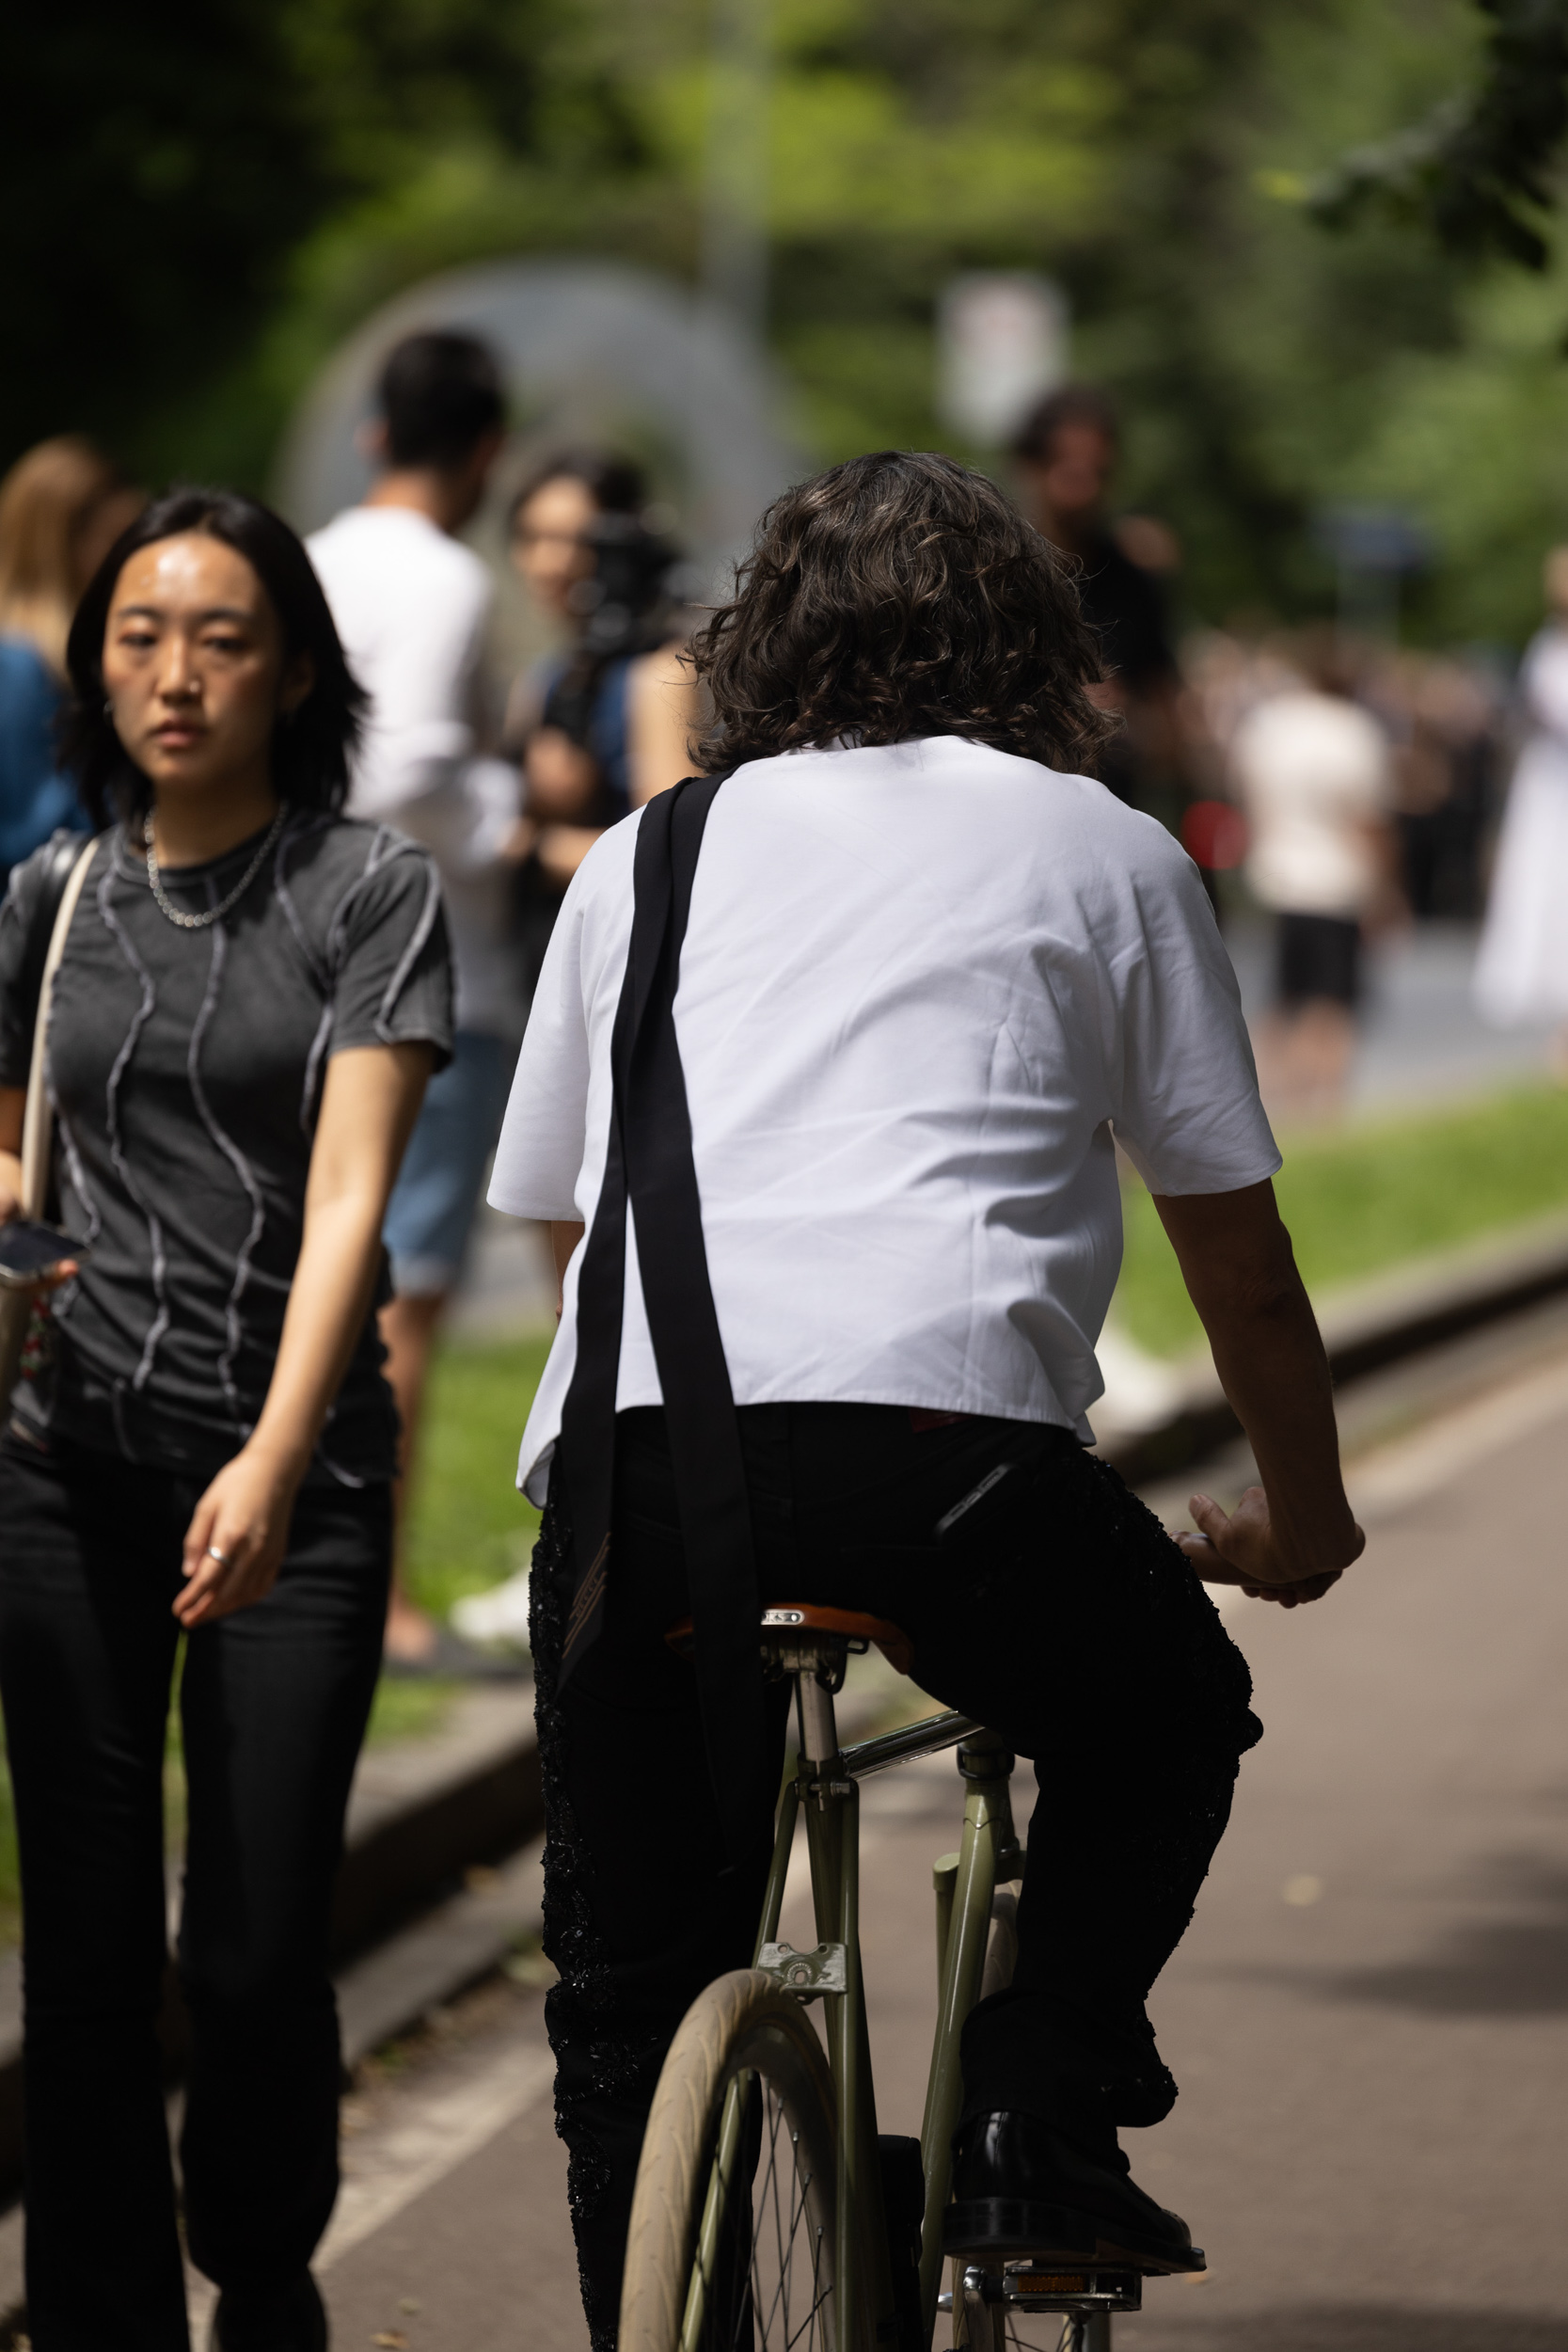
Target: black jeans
(273,1702)
(1055,1609)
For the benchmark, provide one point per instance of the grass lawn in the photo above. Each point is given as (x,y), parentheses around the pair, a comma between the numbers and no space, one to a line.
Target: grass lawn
(468,1526)
(1367,1198)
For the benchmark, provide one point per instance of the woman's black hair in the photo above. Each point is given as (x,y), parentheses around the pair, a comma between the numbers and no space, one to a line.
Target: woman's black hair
(311,748)
(616,485)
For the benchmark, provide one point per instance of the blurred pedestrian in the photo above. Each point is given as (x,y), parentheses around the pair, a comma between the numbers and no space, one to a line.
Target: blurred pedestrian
(604,724)
(412,604)
(1440,715)
(62,506)
(1522,970)
(600,726)
(252,994)
(1067,452)
(1315,777)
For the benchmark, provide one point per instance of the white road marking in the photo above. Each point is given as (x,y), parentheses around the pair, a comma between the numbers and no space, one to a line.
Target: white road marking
(391,2169)
(1392,1477)
(386,2171)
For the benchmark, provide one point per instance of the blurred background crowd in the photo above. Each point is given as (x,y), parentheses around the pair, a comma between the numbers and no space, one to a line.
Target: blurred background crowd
(1258,313)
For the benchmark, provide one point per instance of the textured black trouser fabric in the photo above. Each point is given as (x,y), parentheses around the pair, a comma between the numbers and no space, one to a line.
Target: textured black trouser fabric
(273,1702)
(1057,1611)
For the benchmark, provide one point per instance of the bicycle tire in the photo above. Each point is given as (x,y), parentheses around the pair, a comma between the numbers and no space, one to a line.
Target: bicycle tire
(741,2026)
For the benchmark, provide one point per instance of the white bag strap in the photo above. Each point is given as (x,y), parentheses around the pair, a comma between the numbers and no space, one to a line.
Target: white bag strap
(37,1124)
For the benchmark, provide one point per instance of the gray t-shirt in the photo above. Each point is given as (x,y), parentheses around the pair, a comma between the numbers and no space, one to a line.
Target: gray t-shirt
(186,1071)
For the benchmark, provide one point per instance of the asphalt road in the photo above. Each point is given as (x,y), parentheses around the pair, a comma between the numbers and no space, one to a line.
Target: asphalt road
(1369,2017)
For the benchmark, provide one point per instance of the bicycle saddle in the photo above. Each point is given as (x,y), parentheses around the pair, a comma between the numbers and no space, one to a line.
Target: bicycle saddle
(847,1624)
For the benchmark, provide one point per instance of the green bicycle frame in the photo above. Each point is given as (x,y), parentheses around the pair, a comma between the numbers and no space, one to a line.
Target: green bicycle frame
(826,1785)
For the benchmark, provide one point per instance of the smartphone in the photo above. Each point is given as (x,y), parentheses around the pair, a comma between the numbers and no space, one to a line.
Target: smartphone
(28,1250)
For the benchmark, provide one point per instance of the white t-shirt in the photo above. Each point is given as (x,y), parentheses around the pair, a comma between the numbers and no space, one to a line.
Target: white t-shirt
(412,606)
(918,987)
(1315,776)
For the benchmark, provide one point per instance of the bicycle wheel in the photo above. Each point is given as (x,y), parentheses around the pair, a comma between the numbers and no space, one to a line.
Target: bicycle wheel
(741,2257)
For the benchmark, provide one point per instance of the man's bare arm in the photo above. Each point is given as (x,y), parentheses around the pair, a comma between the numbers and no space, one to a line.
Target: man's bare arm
(1290,1538)
(564,1238)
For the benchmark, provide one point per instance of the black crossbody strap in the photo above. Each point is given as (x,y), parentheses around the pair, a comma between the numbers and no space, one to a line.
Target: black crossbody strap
(650,1165)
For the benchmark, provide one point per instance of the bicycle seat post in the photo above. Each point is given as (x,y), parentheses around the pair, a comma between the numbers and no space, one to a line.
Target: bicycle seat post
(813,1708)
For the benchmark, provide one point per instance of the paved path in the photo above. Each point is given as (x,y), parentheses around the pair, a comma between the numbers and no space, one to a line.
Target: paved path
(1370,2017)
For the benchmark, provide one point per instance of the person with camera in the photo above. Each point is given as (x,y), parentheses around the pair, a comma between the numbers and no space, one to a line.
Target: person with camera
(412,604)
(831,1056)
(605,723)
(600,726)
(251,993)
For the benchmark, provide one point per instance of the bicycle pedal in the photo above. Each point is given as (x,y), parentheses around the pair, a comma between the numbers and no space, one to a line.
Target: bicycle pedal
(1041,2286)
(1035,2287)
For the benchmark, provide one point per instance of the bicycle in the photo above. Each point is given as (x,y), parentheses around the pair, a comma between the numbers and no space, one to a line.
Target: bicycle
(768,2214)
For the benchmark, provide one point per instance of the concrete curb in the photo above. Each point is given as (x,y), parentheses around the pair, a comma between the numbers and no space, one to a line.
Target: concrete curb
(424,1811)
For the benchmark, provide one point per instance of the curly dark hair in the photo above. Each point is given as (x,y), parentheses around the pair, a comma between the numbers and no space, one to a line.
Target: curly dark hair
(900,596)
(311,749)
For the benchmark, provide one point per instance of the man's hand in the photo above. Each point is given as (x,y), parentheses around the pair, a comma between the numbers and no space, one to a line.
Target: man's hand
(1241,1547)
(1241,1275)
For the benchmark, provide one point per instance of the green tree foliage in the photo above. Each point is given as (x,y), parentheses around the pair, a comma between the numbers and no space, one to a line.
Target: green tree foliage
(1138,150)
(1475,170)
(155,172)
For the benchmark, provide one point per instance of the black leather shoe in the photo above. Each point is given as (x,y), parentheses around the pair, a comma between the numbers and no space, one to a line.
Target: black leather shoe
(295,2321)
(1022,2187)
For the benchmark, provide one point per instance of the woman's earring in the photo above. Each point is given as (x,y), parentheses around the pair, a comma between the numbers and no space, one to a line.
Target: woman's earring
(108,710)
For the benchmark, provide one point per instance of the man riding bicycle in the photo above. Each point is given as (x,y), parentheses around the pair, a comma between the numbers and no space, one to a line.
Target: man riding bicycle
(859,1073)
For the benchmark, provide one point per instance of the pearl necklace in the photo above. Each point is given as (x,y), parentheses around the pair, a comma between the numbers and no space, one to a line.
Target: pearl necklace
(201,922)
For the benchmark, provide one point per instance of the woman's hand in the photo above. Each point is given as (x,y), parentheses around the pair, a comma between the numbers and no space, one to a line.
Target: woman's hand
(238,1535)
(562,777)
(370,1102)
(1242,1547)
(11,1102)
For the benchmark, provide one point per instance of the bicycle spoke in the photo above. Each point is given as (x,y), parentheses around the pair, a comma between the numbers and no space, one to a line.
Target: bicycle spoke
(778,2214)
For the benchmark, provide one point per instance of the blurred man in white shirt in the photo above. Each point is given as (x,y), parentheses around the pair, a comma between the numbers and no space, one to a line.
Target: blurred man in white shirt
(412,604)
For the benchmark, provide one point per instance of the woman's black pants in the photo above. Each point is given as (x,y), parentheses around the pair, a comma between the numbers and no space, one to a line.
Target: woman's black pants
(272,1702)
(1051,1606)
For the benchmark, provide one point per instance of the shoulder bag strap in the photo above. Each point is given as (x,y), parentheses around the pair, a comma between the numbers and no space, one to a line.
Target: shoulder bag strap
(50,922)
(59,866)
(71,863)
(650,1165)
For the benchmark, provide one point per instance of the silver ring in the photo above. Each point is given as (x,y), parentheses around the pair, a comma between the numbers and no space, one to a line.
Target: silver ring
(221,1557)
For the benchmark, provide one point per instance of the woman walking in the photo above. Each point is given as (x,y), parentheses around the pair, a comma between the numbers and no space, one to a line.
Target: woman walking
(252,995)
